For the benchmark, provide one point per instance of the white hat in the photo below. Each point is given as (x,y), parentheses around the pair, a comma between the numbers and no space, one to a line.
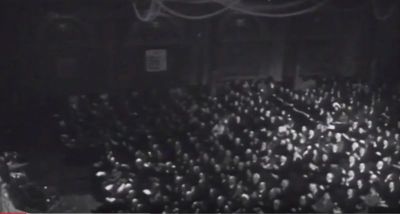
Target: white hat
(336,105)
(100,174)
(147,191)
(245,196)
(110,199)
(109,187)
(121,188)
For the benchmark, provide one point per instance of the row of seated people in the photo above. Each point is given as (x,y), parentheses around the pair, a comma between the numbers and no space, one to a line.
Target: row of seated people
(18,192)
(244,150)
(373,103)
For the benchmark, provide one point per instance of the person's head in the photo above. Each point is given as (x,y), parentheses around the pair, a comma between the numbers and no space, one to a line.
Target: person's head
(388,133)
(373,178)
(365,108)
(313,187)
(217,168)
(325,157)
(373,191)
(277,204)
(350,193)
(285,183)
(212,161)
(274,192)
(338,137)
(256,178)
(392,186)
(228,153)
(329,177)
(236,159)
(212,192)
(354,146)
(354,125)
(362,151)
(304,129)
(362,167)
(232,180)
(326,196)
(202,176)
(227,208)
(303,200)
(262,186)
(369,124)
(352,160)
(245,198)
(251,134)
(350,174)
(220,200)
(237,141)
(335,148)
(379,165)
(311,133)
(196,169)
(289,147)
(241,166)
(360,184)
(294,135)
(385,143)
(282,159)
(387,160)
(186,156)
(315,152)
(139,163)
(248,152)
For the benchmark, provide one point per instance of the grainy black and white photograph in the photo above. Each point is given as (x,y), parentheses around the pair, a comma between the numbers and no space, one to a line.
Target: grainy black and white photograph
(200,106)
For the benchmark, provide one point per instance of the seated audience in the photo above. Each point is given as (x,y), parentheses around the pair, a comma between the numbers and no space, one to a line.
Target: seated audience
(256,146)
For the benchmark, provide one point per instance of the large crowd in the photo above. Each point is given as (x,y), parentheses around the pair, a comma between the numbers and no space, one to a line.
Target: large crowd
(255,146)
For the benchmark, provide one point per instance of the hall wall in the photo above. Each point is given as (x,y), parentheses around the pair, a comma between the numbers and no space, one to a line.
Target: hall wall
(63,47)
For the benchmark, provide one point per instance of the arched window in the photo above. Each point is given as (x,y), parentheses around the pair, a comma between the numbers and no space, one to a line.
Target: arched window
(239,27)
(240,49)
(163,29)
(63,44)
(61,30)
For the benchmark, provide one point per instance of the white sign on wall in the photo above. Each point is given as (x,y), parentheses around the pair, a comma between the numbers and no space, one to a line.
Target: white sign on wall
(156,60)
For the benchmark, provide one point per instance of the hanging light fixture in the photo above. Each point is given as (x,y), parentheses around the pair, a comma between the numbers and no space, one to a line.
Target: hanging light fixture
(149,14)
(273,10)
(261,9)
(376,7)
